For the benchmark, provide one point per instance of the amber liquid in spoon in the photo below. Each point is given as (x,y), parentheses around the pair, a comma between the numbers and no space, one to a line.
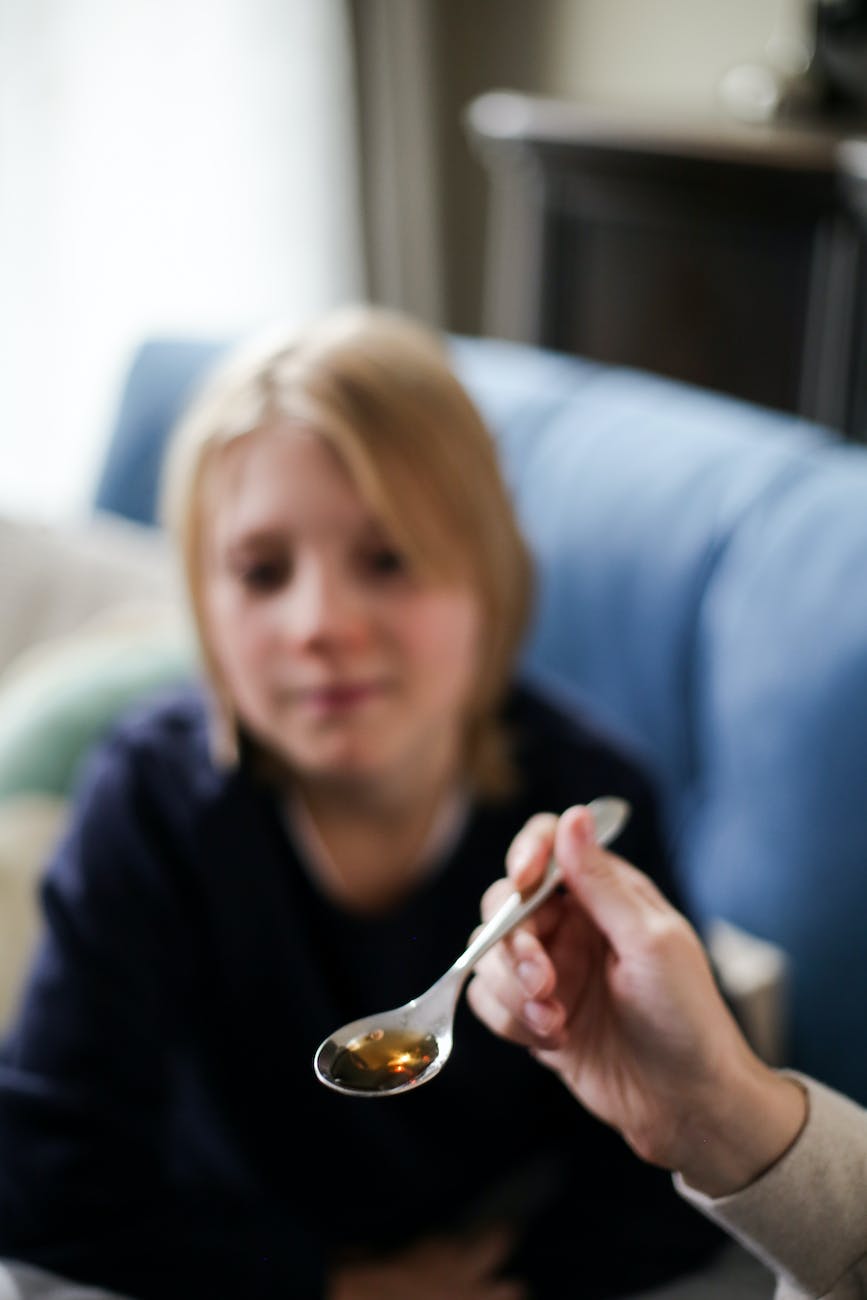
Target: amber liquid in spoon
(383,1059)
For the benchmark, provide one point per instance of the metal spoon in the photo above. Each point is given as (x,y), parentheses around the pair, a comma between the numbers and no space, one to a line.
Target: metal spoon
(388,1053)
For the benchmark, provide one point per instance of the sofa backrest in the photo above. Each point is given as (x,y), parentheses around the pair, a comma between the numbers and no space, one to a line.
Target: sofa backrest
(703,586)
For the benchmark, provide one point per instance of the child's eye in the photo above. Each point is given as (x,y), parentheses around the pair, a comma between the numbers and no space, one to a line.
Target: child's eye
(385,561)
(263,576)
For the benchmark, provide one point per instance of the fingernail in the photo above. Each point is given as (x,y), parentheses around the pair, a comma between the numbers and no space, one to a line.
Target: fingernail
(518,859)
(530,975)
(587,828)
(540,1016)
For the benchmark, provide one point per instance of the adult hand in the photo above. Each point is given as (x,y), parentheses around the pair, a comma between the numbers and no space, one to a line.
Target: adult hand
(440,1268)
(610,986)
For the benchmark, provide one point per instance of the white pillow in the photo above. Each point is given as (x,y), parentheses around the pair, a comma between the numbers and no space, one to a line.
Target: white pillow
(53,577)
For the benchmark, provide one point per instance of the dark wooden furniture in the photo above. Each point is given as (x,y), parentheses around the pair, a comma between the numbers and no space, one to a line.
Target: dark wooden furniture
(727,254)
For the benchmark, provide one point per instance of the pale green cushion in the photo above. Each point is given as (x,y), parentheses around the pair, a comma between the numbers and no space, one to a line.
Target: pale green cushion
(58,698)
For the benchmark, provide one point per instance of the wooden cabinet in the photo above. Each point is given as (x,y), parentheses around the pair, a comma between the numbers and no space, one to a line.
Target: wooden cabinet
(725,254)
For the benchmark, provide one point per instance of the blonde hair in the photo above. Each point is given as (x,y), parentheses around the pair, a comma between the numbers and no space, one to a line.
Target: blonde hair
(379,387)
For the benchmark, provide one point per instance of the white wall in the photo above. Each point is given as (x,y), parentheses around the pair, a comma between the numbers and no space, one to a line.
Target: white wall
(666,53)
(165,165)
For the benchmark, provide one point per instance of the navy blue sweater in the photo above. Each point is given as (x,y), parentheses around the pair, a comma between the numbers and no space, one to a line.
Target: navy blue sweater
(162,1132)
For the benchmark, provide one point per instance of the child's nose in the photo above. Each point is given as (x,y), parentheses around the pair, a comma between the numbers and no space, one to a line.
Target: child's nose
(322,605)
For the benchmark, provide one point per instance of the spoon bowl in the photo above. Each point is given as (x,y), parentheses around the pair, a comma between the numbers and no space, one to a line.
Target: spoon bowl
(390,1052)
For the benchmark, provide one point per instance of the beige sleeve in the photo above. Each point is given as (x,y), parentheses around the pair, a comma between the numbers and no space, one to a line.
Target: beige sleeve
(806,1217)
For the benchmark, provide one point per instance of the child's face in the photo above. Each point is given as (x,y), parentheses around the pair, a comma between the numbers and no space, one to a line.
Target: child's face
(336,656)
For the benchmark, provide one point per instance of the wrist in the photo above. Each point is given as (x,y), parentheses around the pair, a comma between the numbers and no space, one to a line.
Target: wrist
(748,1123)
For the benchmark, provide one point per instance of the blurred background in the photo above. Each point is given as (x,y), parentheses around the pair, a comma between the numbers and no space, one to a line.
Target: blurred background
(203,166)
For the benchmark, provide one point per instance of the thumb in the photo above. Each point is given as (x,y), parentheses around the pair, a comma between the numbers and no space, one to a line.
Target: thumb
(617,897)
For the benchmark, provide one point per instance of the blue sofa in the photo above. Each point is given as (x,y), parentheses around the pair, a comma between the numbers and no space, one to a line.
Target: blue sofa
(703,585)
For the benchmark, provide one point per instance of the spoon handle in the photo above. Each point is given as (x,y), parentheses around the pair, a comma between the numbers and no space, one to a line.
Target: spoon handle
(610,815)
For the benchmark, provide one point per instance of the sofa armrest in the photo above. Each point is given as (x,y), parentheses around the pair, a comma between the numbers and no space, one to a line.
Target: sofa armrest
(29,828)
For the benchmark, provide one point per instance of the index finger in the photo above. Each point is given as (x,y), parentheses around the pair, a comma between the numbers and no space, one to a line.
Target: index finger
(530,850)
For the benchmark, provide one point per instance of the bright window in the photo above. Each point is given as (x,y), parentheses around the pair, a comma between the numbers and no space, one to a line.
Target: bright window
(165,166)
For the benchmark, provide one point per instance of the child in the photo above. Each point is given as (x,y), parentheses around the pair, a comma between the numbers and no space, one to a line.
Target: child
(302,841)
